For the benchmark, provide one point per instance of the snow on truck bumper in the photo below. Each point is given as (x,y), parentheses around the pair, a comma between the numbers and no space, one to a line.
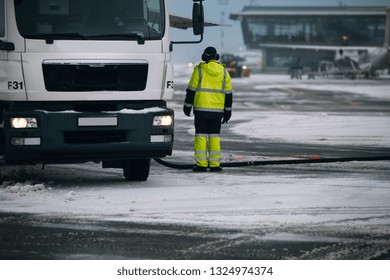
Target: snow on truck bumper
(68,136)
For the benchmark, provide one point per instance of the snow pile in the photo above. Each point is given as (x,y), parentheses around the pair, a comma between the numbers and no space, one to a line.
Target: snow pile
(70,196)
(25,188)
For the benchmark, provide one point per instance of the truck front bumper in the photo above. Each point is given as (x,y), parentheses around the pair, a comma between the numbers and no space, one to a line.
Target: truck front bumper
(71,136)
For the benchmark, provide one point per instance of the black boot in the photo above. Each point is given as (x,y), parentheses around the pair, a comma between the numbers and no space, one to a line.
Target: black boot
(199,169)
(216,169)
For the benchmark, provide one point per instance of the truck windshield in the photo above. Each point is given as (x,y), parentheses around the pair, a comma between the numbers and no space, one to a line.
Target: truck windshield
(91,19)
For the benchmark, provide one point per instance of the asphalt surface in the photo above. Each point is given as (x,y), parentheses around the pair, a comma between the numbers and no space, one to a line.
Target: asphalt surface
(29,237)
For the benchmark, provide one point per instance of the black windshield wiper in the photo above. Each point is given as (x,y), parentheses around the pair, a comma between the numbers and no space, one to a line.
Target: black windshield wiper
(50,37)
(139,36)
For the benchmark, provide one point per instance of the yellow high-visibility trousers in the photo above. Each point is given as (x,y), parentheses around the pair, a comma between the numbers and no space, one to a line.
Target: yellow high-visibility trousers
(207,148)
(214,150)
(200,149)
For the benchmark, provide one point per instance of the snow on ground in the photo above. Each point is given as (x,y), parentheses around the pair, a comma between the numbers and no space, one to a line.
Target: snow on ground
(225,200)
(317,128)
(247,199)
(309,127)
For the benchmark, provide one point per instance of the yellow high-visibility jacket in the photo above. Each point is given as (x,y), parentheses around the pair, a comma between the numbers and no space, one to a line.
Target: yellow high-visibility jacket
(209,90)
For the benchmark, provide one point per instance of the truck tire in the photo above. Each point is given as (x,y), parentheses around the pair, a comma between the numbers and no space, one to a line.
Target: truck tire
(136,170)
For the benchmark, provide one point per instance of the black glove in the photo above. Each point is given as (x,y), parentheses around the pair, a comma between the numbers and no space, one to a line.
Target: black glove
(187,111)
(226,116)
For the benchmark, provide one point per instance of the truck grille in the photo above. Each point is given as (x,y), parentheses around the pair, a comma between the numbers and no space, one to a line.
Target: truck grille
(94,76)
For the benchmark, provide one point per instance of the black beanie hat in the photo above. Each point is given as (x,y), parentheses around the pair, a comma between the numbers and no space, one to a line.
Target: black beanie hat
(210,53)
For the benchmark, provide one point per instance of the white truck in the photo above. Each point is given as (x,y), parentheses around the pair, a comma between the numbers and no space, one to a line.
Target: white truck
(87,80)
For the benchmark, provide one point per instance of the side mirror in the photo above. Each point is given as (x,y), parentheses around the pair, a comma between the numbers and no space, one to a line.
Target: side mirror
(197,24)
(198,18)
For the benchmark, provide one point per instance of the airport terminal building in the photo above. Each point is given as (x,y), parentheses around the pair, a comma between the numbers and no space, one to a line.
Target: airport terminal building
(268,29)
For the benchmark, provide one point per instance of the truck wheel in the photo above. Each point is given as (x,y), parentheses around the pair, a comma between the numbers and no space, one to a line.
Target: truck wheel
(136,170)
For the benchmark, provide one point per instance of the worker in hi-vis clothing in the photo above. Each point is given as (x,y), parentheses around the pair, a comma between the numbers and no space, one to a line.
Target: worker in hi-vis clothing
(210,93)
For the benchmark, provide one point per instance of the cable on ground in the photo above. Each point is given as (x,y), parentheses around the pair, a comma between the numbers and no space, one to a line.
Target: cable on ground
(177,165)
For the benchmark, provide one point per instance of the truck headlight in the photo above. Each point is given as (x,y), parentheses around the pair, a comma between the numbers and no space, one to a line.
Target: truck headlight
(163,120)
(24,123)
